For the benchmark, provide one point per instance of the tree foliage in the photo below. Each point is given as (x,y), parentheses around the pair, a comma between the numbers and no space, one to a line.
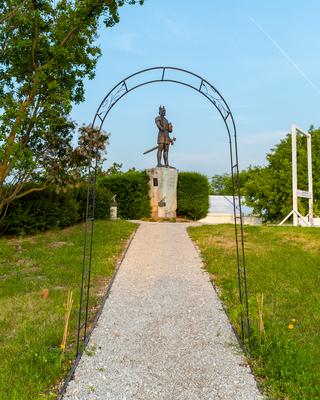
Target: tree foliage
(115,168)
(268,189)
(63,165)
(222,184)
(48,48)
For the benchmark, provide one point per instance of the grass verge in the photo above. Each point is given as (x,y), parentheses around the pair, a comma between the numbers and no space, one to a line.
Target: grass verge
(283,266)
(36,273)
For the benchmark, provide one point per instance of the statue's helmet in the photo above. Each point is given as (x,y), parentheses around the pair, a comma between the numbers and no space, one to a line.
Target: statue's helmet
(162,109)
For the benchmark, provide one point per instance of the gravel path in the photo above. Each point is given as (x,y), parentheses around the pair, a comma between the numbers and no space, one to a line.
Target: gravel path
(163,333)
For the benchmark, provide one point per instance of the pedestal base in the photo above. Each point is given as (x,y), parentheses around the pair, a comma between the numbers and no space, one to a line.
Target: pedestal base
(163,192)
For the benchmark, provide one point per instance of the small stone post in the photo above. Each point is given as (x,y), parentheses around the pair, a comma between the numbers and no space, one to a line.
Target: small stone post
(113,208)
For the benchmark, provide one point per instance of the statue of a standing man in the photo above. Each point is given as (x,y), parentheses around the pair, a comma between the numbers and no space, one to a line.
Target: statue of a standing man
(164,139)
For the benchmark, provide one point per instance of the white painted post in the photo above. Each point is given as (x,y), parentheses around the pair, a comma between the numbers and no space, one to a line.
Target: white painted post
(294,175)
(307,221)
(310,186)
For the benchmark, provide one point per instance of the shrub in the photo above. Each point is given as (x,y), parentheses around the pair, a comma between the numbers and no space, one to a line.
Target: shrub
(39,211)
(102,205)
(193,195)
(132,193)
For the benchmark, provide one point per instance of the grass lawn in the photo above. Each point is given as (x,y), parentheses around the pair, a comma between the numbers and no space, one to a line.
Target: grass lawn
(283,264)
(35,275)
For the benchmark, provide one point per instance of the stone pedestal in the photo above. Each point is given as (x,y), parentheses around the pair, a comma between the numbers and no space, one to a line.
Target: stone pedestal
(163,192)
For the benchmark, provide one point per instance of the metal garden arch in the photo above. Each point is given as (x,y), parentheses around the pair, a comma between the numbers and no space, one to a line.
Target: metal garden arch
(127,85)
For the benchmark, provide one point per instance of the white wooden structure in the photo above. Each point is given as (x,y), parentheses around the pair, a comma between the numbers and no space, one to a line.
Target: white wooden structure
(299,219)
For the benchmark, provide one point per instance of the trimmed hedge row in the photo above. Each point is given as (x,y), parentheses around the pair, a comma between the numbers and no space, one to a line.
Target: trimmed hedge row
(47,209)
(193,195)
(40,211)
(102,205)
(132,193)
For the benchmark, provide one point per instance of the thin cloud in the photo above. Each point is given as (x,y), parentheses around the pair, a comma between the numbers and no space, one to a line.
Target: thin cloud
(125,42)
(176,28)
(291,61)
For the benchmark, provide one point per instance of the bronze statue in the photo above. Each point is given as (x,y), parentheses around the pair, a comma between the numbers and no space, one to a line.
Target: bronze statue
(164,139)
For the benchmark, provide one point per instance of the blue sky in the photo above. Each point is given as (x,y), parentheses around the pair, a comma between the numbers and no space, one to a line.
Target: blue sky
(263,57)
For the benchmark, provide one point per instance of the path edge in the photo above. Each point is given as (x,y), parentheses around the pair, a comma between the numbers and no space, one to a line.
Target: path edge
(97,316)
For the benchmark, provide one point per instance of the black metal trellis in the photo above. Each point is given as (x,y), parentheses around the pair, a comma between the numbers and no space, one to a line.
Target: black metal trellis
(201,85)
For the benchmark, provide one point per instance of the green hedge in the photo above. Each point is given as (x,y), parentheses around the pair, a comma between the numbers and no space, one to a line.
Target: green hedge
(193,195)
(40,211)
(49,209)
(132,193)
(102,206)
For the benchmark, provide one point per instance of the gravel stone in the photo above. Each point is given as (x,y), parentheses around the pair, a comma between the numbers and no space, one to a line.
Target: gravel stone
(163,333)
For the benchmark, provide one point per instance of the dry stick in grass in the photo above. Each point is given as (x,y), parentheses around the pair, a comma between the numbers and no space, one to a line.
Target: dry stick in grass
(260,313)
(66,320)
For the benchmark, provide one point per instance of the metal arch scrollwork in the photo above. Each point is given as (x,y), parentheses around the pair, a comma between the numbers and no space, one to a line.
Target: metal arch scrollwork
(211,93)
(202,86)
(112,99)
(128,84)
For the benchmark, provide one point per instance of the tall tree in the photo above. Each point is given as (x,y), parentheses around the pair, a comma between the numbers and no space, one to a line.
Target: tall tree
(48,48)
(269,189)
(222,184)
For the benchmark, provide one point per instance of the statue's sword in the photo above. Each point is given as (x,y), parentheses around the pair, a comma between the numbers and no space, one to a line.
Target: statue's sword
(153,148)
(156,147)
